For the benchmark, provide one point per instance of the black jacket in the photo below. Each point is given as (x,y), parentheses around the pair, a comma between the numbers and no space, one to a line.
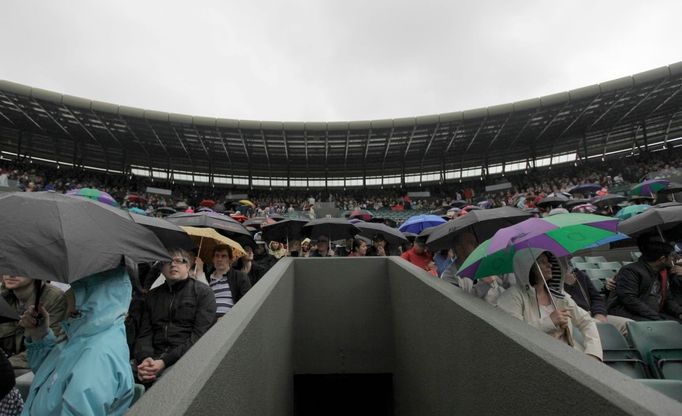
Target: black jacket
(266,261)
(638,294)
(586,295)
(257,271)
(173,319)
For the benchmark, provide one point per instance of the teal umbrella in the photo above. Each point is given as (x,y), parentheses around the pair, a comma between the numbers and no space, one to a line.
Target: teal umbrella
(631,211)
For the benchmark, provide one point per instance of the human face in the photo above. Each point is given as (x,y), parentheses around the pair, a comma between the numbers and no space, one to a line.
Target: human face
(221,260)
(176,270)
(323,247)
(466,245)
(305,247)
(419,248)
(16,282)
(545,267)
(274,245)
(362,250)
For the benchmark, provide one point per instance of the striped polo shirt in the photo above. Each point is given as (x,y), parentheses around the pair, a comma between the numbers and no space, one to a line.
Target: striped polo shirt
(223,294)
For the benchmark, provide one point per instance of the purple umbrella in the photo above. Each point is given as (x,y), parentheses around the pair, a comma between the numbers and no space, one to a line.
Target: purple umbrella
(95,195)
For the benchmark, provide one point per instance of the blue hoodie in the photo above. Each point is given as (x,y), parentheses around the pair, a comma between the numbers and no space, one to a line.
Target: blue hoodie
(88,373)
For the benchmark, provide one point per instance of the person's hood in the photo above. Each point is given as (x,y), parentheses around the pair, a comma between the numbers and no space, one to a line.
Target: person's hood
(102,300)
(523,261)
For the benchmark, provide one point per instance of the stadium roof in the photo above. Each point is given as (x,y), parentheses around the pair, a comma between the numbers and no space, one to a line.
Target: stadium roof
(599,120)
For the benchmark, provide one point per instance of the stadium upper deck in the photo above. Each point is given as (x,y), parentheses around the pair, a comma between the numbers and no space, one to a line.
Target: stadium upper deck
(642,111)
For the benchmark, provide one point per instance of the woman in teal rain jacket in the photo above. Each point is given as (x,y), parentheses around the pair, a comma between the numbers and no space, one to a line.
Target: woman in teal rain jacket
(87,372)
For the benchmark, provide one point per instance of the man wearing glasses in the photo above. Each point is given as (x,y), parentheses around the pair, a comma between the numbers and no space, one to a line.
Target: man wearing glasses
(176,314)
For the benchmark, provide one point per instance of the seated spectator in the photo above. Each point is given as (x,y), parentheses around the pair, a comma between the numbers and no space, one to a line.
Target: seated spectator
(359,248)
(276,249)
(247,265)
(443,259)
(585,294)
(87,372)
(346,249)
(19,292)
(176,314)
(531,302)
(489,288)
(261,255)
(305,247)
(420,256)
(228,285)
(322,248)
(642,291)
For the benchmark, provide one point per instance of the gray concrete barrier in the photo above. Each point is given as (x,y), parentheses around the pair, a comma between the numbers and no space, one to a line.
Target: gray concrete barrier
(448,353)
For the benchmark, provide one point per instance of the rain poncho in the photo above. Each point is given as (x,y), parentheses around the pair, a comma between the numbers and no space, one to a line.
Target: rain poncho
(521,302)
(87,373)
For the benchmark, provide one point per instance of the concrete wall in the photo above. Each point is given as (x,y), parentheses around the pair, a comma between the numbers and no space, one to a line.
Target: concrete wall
(449,353)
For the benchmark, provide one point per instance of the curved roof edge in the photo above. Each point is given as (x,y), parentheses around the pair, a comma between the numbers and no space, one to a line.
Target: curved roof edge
(457,116)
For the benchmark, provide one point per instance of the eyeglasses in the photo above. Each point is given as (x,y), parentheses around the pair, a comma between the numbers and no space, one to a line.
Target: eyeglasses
(178,260)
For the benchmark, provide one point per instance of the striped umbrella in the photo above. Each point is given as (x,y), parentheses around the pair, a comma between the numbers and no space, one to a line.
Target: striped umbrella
(95,195)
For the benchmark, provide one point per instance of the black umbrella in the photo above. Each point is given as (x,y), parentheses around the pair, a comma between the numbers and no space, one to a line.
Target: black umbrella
(391,235)
(459,203)
(166,210)
(663,218)
(586,188)
(276,217)
(482,223)
(7,312)
(332,228)
(284,230)
(552,201)
(221,223)
(50,236)
(607,200)
(170,235)
(575,202)
(387,221)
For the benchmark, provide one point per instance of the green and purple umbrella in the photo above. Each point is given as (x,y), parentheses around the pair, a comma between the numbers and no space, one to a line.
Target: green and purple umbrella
(95,195)
(561,234)
(650,187)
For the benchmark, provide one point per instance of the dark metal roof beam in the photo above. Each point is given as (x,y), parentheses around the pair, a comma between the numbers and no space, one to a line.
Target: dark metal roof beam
(265,145)
(7,118)
(670,97)
(111,133)
(575,120)
(224,145)
(452,139)
(388,146)
(241,135)
(369,137)
(499,131)
(473,139)
(49,115)
(92,136)
(201,142)
(189,156)
(615,102)
(8,98)
(409,141)
(428,146)
(158,139)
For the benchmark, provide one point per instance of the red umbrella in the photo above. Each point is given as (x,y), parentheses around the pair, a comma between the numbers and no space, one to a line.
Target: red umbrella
(239,217)
(207,203)
(135,198)
(361,214)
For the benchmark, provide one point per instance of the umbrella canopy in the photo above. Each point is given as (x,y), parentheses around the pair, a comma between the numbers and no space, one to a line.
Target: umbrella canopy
(673,187)
(95,195)
(417,223)
(332,228)
(631,211)
(204,209)
(388,221)
(391,235)
(573,202)
(276,217)
(181,205)
(586,188)
(361,214)
(659,218)
(137,211)
(7,312)
(285,230)
(247,203)
(584,209)
(561,234)
(608,200)
(166,210)
(649,187)
(482,224)
(552,201)
(49,236)
(459,203)
(207,238)
(224,224)
(136,198)
(257,222)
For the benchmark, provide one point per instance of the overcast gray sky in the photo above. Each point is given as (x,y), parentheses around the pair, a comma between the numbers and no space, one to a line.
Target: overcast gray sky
(330,60)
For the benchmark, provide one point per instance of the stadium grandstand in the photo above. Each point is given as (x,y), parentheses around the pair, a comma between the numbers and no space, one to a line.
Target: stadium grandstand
(614,119)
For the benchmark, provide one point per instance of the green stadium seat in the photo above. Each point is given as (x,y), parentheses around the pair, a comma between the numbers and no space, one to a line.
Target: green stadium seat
(601,274)
(660,344)
(577,259)
(595,259)
(635,255)
(618,354)
(586,266)
(614,265)
(671,388)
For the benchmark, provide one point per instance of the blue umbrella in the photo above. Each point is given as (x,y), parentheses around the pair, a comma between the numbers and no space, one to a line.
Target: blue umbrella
(138,211)
(418,223)
(586,188)
(631,211)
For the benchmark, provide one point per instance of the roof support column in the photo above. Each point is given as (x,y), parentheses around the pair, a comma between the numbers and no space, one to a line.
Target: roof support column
(20,137)
(646,139)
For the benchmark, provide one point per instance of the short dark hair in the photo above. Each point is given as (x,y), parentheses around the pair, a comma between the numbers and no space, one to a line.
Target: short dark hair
(653,247)
(223,247)
(357,243)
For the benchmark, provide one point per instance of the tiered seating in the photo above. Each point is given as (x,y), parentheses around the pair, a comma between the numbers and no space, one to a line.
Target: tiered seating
(660,344)
(618,354)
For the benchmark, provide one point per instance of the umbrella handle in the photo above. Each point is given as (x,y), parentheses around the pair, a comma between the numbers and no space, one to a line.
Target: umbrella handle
(198,255)
(39,288)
